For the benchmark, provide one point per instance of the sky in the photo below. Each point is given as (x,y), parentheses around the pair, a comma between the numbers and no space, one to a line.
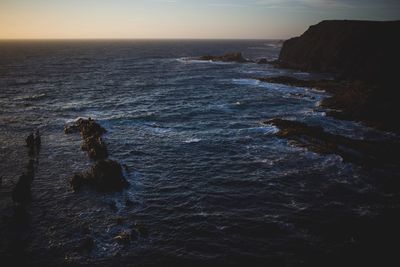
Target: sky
(198,19)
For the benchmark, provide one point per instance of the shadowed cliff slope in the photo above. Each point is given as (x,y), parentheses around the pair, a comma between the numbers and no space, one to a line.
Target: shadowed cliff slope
(364,55)
(365,50)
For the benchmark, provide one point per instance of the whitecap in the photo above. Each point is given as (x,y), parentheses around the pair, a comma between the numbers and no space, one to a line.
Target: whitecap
(192,140)
(31,97)
(253,82)
(198,61)
(267,129)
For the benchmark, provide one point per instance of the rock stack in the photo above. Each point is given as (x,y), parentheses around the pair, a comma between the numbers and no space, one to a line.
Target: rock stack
(21,193)
(105,175)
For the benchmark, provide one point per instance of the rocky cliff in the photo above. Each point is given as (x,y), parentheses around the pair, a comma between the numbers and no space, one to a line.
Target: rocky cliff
(365,55)
(366,50)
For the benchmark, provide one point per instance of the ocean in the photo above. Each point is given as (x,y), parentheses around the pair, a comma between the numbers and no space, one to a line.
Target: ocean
(209,182)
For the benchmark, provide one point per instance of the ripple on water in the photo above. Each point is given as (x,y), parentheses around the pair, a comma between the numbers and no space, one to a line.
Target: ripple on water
(209,182)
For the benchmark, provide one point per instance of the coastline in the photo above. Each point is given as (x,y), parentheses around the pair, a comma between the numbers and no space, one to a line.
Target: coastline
(365,65)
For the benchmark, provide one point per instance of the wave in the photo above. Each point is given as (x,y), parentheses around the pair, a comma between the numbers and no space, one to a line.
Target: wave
(31,97)
(253,82)
(187,60)
(192,140)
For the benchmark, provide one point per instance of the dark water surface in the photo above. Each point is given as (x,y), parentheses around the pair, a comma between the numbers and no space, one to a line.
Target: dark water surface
(210,184)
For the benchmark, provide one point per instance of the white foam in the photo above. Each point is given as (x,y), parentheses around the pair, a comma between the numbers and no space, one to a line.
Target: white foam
(198,61)
(253,82)
(31,97)
(267,129)
(192,140)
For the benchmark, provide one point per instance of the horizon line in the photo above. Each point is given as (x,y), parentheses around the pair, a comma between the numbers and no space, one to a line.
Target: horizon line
(140,39)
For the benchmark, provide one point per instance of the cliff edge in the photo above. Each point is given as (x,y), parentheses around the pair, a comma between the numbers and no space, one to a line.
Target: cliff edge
(364,55)
(366,50)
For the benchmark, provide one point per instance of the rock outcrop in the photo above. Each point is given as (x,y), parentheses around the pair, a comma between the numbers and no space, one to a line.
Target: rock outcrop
(91,133)
(105,175)
(230,57)
(364,56)
(21,193)
(362,152)
(263,61)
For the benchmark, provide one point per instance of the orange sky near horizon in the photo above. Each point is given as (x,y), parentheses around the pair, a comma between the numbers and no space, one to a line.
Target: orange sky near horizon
(237,19)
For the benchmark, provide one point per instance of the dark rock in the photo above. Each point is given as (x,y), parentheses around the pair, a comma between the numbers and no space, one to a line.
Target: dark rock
(31,167)
(38,140)
(91,133)
(95,147)
(105,175)
(231,57)
(124,237)
(262,61)
(87,128)
(362,152)
(70,129)
(21,193)
(364,55)
(108,176)
(352,99)
(363,50)
(30,141)
(79,180)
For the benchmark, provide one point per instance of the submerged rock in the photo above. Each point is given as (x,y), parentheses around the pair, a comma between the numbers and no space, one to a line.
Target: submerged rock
(262,61)
(230,57)
(21,193)
(105,176)
(30,141)
(37,140)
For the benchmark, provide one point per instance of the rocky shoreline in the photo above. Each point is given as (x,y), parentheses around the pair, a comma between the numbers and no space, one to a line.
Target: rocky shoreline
(365,64)
(382,154)
(354,100)
(364,90)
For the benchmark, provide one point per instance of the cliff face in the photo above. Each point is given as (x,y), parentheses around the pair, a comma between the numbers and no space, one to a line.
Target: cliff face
(364,53)
(363,50)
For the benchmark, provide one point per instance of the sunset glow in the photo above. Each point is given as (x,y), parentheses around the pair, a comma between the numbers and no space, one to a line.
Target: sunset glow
(243,19)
